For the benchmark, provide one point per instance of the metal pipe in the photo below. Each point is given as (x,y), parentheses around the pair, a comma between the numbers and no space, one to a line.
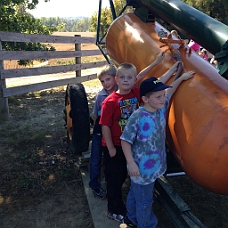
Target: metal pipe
(175,174)
(208,32)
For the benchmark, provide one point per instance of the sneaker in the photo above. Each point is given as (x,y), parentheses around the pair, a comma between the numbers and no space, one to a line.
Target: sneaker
(128,222)
(118,218)
(99,192)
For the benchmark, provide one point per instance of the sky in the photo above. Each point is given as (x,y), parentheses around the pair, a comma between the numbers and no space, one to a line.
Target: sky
(67,8)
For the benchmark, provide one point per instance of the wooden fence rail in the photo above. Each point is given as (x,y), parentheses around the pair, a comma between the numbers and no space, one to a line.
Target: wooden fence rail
(77,54)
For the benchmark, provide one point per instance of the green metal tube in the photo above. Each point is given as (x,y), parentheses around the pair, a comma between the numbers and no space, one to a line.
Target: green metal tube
(208,32)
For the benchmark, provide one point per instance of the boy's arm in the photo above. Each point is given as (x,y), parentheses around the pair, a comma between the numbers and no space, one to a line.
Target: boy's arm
(95,116)
(132,166)
(166,76)
(96,108)
(146,70)
(106,132)
(176,83)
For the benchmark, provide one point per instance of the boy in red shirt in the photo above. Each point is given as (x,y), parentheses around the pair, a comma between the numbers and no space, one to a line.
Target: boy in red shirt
(116,109)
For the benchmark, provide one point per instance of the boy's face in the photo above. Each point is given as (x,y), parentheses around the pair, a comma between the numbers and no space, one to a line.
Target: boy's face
(126,79)
(155,101)
(108,82)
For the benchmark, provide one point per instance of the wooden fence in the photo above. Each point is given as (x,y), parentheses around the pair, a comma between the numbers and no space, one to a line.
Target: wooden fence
(78,53)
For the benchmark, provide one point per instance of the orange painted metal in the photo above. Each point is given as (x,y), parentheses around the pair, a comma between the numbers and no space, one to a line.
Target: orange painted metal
(198,116)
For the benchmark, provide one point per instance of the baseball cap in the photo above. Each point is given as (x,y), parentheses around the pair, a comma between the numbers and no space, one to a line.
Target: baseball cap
(152,85)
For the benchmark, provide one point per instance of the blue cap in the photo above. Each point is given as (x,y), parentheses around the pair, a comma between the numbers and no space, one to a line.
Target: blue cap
(152,85)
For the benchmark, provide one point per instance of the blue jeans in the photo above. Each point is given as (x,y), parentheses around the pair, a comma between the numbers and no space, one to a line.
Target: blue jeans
(95,157)
(139,205)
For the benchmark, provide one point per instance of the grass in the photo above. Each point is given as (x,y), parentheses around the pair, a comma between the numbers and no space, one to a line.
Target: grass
(72,61)
(30,143)
(20,146)
(34,157)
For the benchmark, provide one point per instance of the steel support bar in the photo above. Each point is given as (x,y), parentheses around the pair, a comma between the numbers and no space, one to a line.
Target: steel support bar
(177,209)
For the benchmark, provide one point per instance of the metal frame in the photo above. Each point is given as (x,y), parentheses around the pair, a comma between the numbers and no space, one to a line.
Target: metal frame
(177,209)
(100,41)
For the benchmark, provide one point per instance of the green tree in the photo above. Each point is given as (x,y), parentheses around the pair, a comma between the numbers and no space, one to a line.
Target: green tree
(67,25)
(106,20)
(106,16)
(119,5)
(14,18)
(217,9)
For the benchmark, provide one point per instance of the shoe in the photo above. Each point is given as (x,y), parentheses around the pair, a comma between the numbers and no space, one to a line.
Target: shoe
(118,218)
(128,222)
(99,192)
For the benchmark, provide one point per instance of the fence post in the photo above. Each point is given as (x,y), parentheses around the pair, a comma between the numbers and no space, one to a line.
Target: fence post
(4,108)
(78,60)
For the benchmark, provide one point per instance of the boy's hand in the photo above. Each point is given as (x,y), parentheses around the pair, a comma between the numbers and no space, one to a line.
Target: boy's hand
(112,152)
(159,57)
(177,82)
(133,169)
(188,75)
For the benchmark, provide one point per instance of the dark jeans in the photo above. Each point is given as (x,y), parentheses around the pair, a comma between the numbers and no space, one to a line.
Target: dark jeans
(115,174)
(95,157)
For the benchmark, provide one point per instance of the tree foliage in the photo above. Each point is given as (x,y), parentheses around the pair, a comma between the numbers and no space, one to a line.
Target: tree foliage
(67,25)
(14,18)
(217,9)
(106,16)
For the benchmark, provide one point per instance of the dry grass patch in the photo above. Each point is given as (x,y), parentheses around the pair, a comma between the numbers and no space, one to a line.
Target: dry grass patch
(40,185)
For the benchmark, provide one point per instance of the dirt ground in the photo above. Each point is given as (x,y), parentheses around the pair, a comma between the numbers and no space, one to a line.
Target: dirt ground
(40,185)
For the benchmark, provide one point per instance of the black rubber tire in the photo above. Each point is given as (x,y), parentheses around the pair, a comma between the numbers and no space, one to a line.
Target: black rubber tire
(79,134)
